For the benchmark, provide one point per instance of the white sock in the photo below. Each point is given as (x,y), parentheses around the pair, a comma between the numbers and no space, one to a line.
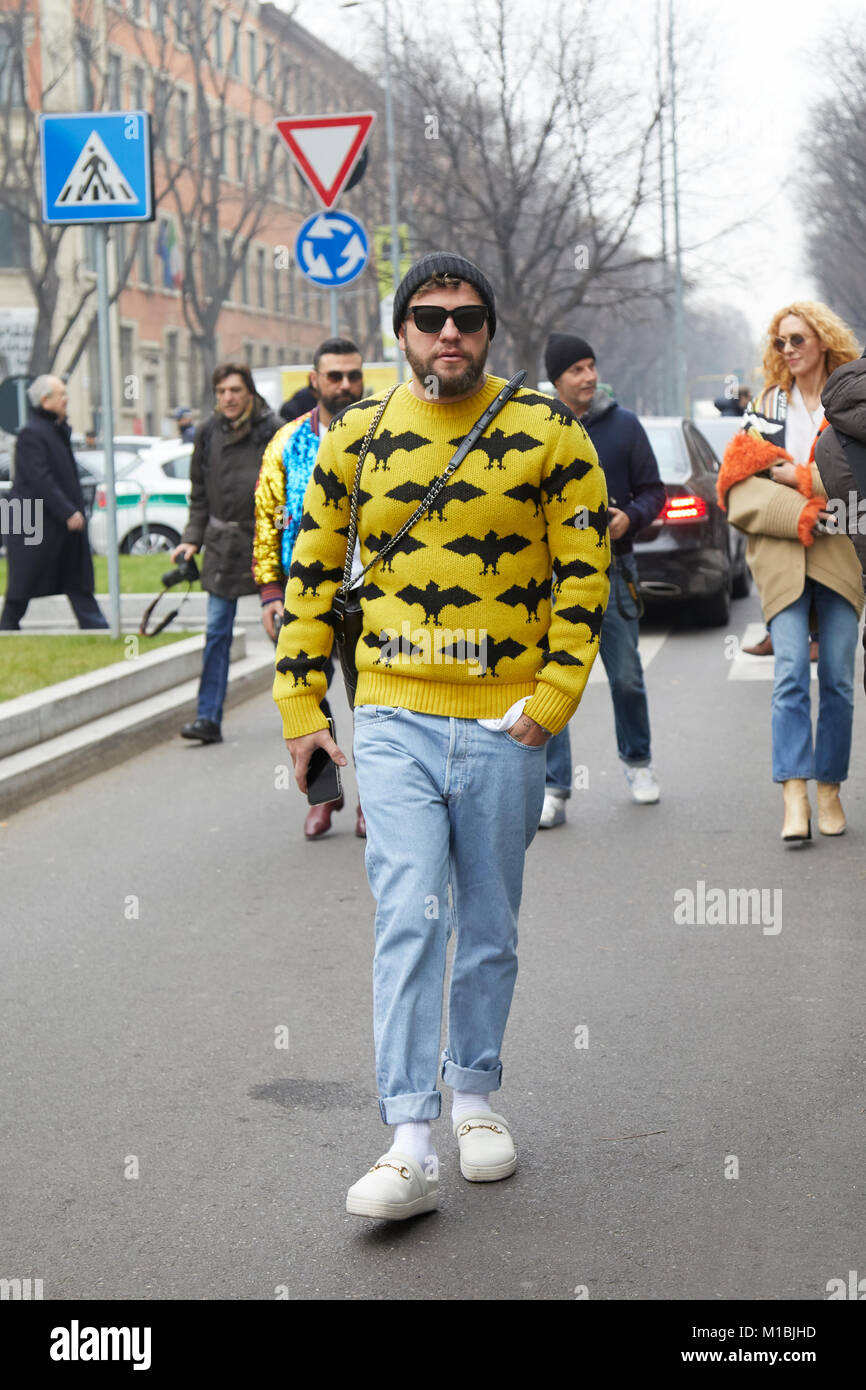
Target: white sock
(468,1103)
(414,1138)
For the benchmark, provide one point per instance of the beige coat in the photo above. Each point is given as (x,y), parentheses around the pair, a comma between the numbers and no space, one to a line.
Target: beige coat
(768,513)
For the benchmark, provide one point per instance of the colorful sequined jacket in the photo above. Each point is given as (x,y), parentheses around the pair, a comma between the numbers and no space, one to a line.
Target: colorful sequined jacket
(287,467)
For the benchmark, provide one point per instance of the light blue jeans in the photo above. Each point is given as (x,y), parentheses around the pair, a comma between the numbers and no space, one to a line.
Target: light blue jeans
(449,805)
(838,628)
(217,657)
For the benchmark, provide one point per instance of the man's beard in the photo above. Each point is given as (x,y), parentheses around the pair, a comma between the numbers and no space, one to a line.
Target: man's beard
(339,400)
(448,386)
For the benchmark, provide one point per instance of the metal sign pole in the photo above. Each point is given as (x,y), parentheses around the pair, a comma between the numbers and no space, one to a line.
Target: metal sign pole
(335,314)
(107,426)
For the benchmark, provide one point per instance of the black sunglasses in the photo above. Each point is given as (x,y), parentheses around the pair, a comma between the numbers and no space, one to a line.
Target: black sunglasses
(430,318)
(355,375)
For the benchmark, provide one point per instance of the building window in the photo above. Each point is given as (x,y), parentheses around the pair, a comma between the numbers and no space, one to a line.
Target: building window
(239,152)
(254,157)
(260,278)
(157,17)
(143,233)
(112,85)
(14,240)
(230,283)
(248,352)
(252,49)
(90,251)
(180,22)
(264,355)
(292,289)
(269,69)
(235,58)
(222,146)
(94,375)
(136,8)
(245,279)
(11,70)
(118,233)
(138,98)
(171,370)
(183,142)
(218,57)
(126,351)
(277,287)
(305,296)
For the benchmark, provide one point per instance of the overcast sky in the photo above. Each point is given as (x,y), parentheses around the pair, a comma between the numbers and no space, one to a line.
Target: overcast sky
(758,63)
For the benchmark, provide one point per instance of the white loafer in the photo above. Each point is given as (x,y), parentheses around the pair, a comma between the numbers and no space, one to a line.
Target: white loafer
(487,1151)
(395,1187)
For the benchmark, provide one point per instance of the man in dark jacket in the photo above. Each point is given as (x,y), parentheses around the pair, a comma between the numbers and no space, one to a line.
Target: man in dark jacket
(224,469)
(636,496)
(840,454)
(44,523)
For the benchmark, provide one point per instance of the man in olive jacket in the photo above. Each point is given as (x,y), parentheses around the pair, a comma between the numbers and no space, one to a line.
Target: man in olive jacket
(226,459)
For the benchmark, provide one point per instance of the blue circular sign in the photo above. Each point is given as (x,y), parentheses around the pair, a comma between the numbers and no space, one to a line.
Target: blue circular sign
(331,249)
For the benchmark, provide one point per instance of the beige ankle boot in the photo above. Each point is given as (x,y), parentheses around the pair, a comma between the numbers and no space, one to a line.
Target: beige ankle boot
(831,817)
(797,824)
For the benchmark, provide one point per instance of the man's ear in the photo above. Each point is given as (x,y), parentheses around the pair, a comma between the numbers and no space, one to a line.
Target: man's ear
(401,336)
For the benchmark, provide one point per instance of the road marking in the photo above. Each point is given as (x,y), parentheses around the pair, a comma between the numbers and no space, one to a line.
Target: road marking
(649,645)
(756,668)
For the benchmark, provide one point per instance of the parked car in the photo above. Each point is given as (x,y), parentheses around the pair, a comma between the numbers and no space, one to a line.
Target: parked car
(718,430)
(160,476)
(91,470)
(690,555)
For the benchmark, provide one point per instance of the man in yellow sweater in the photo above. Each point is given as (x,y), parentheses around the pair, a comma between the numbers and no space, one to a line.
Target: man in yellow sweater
(467,664)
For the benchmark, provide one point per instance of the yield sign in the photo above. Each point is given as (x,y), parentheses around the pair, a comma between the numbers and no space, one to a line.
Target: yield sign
(326,148)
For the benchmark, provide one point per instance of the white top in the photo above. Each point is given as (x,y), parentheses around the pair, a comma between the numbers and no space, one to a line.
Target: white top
(801,426)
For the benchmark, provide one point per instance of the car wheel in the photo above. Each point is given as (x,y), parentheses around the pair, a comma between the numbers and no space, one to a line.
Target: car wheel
(715,611)
(156,540)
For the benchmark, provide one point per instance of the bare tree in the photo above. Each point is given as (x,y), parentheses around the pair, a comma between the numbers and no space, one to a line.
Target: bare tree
(835,178)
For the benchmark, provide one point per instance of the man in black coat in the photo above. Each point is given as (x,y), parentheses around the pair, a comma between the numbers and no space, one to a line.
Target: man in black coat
(840,453)
(224,470)
(44,523)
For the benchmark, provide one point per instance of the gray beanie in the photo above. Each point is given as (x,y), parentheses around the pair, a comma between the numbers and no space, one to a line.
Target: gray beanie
(442,263)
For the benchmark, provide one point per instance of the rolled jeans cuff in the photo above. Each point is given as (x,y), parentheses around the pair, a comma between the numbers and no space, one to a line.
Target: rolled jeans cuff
(418,1105)
(470,1079)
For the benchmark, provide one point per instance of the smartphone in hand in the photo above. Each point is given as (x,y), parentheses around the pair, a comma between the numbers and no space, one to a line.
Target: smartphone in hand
(323,776)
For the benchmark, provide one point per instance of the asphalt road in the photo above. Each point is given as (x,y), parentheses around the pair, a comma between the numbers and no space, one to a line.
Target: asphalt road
(165,923)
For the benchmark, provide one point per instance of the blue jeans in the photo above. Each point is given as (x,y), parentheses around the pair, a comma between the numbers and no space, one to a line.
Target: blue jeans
(838,627)
(448,805)
(619,654)
(217,650)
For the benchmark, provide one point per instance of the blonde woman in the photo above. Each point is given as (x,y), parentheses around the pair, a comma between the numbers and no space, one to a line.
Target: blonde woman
(807,578)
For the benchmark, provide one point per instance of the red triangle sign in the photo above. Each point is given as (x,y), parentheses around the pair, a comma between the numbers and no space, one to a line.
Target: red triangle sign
(326,148)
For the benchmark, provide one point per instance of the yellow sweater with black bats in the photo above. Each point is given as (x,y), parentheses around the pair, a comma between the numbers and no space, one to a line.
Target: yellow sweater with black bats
(462,618)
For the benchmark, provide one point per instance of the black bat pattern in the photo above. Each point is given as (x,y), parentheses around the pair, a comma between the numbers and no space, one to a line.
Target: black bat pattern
(308,524)
(529,596)
(369,591)
(556,409)
(386,444)
(575,569)
(388,647)
(497,444)
(590,617)
(313,575)
(488,653)
(489,548)
(526,492)
(585,519)
(331,485)
(565,659)
(300,666)
(404,547)
(433,599)
(564,473)
(458,491)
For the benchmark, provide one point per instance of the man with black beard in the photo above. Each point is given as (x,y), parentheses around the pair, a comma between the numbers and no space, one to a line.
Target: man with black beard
(450,722)
(287,465)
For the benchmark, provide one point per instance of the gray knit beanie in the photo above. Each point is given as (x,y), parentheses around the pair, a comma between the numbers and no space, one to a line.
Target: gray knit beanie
(442,263)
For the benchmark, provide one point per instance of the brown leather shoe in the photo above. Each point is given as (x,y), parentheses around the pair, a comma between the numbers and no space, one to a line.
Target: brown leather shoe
(762,648)
(318,821)
(360,824)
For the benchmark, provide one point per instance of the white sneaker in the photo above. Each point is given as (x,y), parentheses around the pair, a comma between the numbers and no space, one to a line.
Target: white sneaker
(644,787)
(553,811)
(395,1187)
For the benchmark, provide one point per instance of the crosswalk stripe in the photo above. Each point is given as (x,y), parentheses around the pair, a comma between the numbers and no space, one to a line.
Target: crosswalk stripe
(649,645)
(756,668)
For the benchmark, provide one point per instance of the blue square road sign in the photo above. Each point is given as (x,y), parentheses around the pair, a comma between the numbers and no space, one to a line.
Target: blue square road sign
(97,166)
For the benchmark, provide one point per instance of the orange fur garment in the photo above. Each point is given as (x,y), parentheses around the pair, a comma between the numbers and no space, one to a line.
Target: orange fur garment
(746,454)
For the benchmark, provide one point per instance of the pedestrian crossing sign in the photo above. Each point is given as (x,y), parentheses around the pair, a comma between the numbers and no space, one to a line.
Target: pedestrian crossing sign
(97,166)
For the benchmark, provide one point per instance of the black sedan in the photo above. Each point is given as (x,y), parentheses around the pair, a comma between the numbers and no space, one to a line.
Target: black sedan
(690,555)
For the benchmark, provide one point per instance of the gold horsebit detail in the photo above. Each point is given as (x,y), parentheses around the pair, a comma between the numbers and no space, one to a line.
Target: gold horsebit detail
(464,1129)
(402,1170)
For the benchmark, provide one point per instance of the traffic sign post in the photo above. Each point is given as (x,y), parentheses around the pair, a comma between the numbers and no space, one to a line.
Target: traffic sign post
(97,168)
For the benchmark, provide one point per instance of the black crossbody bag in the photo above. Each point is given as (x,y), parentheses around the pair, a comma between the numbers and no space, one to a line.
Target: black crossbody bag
(347,618)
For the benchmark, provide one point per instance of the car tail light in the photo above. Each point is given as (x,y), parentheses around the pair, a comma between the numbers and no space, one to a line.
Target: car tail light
(100,496)
(687,508)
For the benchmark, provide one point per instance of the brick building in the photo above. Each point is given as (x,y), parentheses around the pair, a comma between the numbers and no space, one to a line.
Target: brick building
(213,277)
